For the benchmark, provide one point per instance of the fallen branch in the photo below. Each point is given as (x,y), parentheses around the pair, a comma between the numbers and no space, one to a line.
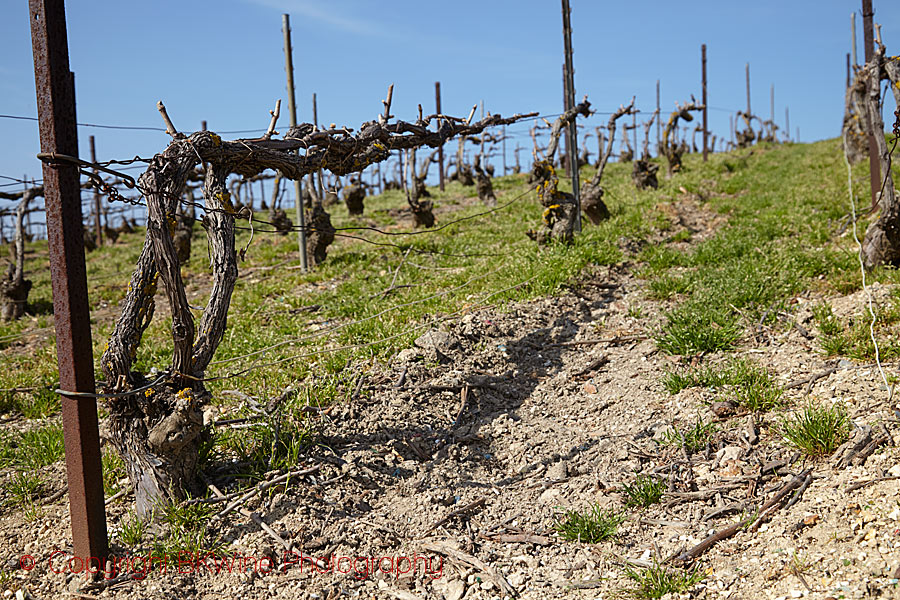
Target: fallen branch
(812,378)
(517,538)
(459,511)
(468,559)
(861,484)
(260,488)
(753,521)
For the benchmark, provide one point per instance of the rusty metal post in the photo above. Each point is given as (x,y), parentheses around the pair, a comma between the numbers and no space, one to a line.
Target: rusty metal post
(437,105)
(572,144)
(98,231)
(705,109)
(55,88)
(292,113)
(874,162)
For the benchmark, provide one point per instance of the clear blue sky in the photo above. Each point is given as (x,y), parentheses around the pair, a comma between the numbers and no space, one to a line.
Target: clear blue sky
(222,61)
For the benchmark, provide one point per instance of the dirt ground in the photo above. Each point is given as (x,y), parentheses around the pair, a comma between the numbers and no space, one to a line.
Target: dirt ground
(466,448)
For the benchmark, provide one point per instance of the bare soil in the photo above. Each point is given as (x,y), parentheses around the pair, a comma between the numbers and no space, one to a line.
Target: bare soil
(563,406)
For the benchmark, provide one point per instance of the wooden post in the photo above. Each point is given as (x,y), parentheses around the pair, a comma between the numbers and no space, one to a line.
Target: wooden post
(437,105)
(772,108)
(55,87)
(292,113)
(98,231)
(846,85)
(321,189)
(874,162)
(705,121)
(504,149)
(787,122)
(658,120)
(483,133)
(747,72)
(572,143)
(853,37)
(202,125)
(565,137)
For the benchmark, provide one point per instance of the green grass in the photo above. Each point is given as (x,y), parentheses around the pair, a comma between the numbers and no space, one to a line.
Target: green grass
(23,489)
(667,286)
(37,404)
(693,328)
(186,530)
(657,580)
(645,491)
(592,526)
(693,438)
(32,449)
(817,430)
(748,384)
(132,529)
(113,471)
(853,339)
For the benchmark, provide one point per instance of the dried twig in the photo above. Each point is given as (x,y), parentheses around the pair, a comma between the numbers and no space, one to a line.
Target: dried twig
(262,487)
(619,339)
(256,519)
(459,511)
(753,521)
(170,128)
(275,113)
(468,559)
(861,484)
(812,378)
(463,400)
(517,538)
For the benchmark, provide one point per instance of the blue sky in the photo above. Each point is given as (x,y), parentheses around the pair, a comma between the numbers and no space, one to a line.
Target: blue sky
(223,62)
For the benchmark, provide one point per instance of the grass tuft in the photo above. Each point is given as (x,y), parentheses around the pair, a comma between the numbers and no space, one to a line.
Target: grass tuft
(594,525)
(693,439)
(657,580)
(693,328)
(644,492)
(132,529)
(32,449)
(817,430)
(23,489)
(187,530)
(749,384)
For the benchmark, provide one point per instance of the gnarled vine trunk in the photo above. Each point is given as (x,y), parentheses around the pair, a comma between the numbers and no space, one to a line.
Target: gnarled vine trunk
(483,185)
(14,288)
(592,203)
(157,426)
(881,245)
(354,198)
(671,148)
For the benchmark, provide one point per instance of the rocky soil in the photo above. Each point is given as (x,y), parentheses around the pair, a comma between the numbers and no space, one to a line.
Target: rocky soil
(466,448)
